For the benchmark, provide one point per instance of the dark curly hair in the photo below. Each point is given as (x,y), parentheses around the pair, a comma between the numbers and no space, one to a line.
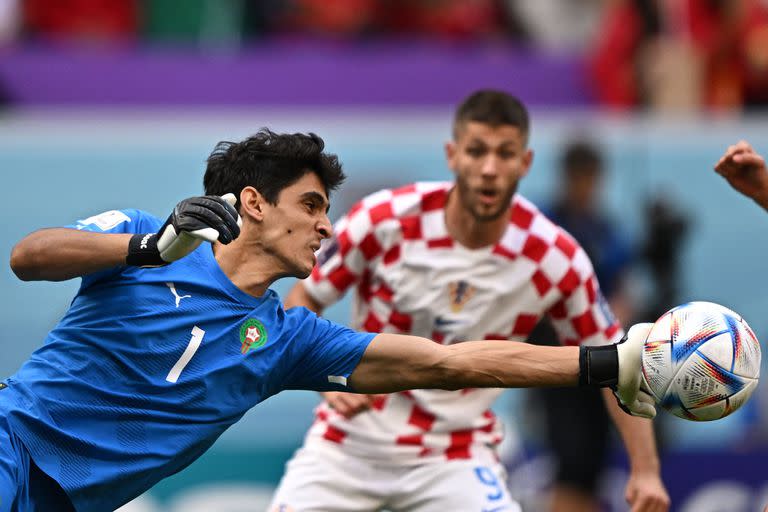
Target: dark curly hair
(270,162)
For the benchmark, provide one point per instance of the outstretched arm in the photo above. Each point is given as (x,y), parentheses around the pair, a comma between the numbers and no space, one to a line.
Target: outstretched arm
(58,254)
(745,171)
(396,362)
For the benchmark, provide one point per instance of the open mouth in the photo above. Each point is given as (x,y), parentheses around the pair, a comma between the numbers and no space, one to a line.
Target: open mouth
(488,195)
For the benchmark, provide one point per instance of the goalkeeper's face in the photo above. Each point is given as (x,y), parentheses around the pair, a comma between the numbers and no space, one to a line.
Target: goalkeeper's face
(488,162)
(296,226)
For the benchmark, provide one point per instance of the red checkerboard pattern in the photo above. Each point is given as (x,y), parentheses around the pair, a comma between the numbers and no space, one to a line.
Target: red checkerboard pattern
(410,276)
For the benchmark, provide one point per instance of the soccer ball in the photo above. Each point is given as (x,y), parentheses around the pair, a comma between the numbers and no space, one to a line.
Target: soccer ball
(701,361)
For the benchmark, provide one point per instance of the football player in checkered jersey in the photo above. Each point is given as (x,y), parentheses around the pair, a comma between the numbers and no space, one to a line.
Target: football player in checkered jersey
(464,260)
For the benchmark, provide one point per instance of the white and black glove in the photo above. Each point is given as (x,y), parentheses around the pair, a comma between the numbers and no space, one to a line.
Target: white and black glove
(632,390)
(193,221)
(619,367)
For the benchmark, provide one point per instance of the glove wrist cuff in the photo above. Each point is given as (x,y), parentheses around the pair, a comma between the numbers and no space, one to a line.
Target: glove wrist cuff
(599,366)
(143,251)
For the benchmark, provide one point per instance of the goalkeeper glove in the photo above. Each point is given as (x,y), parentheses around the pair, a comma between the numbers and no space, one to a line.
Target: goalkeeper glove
(619,367)
(194,220)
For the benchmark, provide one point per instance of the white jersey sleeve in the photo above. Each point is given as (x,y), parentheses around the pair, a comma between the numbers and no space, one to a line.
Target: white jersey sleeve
(582,316)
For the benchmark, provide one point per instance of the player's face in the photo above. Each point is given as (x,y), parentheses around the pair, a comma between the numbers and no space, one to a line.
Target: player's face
(299,222)
(488,162)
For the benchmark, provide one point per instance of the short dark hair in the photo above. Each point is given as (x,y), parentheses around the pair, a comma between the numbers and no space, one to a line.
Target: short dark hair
(495,108)
(580,156)
(270,162)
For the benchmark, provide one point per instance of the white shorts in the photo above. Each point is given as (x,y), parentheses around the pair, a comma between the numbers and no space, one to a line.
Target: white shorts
(319,480)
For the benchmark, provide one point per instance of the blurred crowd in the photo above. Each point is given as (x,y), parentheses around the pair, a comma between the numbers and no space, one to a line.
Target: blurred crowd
(679,55)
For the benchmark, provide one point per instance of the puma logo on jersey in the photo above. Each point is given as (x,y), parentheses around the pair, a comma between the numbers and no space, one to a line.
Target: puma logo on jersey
(172,287)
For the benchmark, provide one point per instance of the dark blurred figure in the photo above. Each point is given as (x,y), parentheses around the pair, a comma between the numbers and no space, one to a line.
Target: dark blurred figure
(666,232)
(682,55)
(577,425)
(261,17)
(5,97)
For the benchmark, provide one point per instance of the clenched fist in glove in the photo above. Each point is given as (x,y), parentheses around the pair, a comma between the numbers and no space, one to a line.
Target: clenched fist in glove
(619,367)
(193,221)
(631,389)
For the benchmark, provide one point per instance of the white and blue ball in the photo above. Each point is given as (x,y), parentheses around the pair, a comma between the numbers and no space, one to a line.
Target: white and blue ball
(701,361)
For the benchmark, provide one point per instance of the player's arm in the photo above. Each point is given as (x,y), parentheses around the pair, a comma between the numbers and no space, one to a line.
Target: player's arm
(58,254)
(346,404)
(645,489)
(746,171)
(395,362)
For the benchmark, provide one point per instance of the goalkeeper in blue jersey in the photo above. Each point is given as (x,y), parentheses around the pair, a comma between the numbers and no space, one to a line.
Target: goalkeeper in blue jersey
(169,340)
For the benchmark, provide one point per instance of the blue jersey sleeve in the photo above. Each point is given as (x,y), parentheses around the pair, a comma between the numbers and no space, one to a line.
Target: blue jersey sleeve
(326,353)
(115,221)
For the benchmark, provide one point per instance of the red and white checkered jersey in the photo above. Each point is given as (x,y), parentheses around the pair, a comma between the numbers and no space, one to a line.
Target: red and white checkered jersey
(411,277)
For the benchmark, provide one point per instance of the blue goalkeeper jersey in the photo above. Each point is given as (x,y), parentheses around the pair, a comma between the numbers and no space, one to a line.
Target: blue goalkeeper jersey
(149,366)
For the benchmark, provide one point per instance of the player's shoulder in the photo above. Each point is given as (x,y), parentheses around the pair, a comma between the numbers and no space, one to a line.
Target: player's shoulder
(136,213)
(305,325)
(539,232)
(144,220)
(408,200)
(123,220)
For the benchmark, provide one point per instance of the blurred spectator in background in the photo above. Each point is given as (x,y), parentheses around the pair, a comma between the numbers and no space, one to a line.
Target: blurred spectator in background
(667,229)
(337,18)
(457,19)
(557,25)
(731,37)
(630,39)
(576,421)
(444,19)
(81,20)
(682,54)
(10,21)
